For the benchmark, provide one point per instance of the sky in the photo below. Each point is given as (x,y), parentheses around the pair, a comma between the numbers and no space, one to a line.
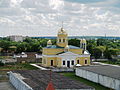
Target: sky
(44,17)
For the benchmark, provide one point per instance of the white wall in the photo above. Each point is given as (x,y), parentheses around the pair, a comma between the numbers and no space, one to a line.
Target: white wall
(17,82)
(101,79)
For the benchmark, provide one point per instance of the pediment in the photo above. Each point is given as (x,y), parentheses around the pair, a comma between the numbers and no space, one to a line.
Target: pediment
(68,54)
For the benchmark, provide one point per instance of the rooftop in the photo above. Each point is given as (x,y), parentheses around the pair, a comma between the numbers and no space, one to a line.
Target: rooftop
(55,46)
(39,80)
(106,70)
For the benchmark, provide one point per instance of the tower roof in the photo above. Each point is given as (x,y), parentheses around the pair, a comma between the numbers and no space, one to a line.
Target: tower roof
(83,40)
(50,86)
(66,47)
(62,31)
(49,42)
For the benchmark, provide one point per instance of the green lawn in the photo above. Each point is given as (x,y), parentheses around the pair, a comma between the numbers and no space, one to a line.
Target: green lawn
(4,69)
(87,82)
(20,66)
(110,62)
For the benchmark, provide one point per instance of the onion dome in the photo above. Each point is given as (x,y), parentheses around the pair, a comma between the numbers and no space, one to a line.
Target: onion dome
(83,41)
(66,48)
(62,31)
(49,42)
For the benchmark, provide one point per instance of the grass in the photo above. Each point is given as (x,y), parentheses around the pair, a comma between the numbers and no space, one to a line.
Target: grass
(4,69)
(87,82)
(111,62)
(20,66)
(5,57)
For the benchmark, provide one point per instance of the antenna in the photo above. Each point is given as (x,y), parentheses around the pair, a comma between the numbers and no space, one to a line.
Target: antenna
(50,76)
(62,24)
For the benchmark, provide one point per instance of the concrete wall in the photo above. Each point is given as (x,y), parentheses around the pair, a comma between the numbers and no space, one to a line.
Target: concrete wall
(16,81)
(101,79)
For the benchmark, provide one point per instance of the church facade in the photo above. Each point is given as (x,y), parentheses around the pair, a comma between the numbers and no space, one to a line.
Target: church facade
(64,55)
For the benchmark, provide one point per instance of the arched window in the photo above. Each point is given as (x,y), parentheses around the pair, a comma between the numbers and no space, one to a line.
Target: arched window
(59,40)
(78,62)
(85,61)
(72,62)
(63,62)
(51,62)
(63,40)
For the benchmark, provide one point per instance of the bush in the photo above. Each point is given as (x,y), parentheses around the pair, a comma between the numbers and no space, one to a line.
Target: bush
(1,64)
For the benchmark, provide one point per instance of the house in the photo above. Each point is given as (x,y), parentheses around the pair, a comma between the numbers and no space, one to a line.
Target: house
(28,57)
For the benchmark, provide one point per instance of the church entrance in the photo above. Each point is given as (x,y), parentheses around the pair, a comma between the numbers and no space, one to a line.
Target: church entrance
(51,62)
(68,63)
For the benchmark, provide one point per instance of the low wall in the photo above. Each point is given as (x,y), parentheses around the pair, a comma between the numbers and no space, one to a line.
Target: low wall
(63,70)
(98,78)
(17,82)
(28,60)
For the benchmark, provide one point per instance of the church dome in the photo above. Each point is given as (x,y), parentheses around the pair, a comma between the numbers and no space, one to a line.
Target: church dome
(49,42)
(62,31)
(83,40)
(67,47)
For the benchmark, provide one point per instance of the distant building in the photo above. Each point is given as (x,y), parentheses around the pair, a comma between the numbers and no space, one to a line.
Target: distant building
(106,75)
(17,38)
(64,55)
(28,57)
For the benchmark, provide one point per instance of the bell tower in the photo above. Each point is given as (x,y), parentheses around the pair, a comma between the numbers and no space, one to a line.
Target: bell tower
(62,38)
(83,44)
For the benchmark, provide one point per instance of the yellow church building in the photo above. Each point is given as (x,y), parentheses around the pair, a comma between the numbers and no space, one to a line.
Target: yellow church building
(64,55)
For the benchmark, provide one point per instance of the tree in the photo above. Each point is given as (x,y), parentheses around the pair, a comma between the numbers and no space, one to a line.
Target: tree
(97,53)
(91,45)
(74,42)
(5,45)
(102,48)
(12,49)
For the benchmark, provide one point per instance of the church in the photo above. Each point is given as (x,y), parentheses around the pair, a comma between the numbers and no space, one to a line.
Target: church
(64,55)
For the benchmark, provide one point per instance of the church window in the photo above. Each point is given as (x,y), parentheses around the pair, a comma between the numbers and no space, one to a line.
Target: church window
(59,40)
(85,61)
(63,62)
(63,40)
(51,62)
(72,62)
(78,62)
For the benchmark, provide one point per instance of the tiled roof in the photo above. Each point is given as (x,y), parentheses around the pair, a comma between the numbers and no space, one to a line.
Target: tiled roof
(38,80)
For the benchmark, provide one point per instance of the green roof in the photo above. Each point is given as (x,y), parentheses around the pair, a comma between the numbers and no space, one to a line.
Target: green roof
(55,46)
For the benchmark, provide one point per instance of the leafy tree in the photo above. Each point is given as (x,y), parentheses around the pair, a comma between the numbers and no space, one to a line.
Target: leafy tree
(1,64)
(97,53)
(102,48)
(74,42)
(5,45)
(91,44)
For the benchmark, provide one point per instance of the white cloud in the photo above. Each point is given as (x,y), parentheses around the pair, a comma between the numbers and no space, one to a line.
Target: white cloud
(56,4)
(44,17)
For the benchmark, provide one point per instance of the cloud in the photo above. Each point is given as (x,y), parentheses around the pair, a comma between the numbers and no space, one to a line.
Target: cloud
(44,17)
